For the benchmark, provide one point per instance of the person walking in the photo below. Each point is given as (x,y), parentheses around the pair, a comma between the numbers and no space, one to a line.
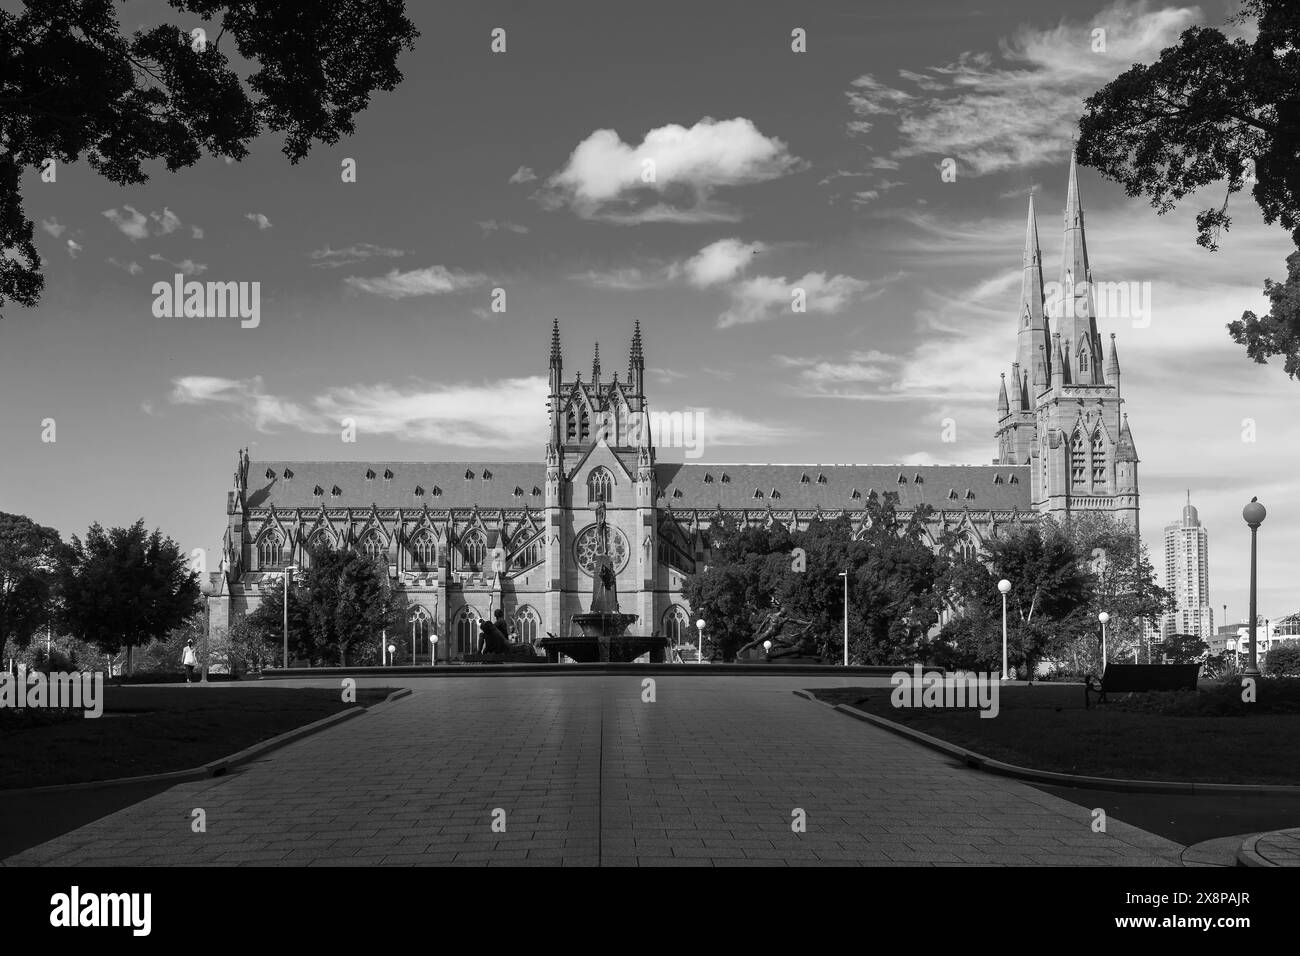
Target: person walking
(190,660)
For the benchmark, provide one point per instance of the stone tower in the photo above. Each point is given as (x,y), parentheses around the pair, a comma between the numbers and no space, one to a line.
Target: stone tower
(1062,413)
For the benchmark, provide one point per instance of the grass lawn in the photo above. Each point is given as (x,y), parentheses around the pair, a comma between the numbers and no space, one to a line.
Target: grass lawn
(155,730)
(1045,727)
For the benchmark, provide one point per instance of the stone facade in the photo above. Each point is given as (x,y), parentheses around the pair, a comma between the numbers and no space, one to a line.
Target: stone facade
(464,538)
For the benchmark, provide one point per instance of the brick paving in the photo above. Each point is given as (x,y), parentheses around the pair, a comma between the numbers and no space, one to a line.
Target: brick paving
(711,773)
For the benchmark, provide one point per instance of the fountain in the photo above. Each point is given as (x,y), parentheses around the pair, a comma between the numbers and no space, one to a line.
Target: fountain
(604,627)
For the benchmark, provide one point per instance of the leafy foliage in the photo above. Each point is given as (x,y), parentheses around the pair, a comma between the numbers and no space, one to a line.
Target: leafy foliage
(1215,110)
(1183,649)
(338,608)
(125,587)
(27,554)
(74,85)
(1283,659)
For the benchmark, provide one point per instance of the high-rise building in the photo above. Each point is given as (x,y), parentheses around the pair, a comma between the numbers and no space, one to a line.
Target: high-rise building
(1187,576)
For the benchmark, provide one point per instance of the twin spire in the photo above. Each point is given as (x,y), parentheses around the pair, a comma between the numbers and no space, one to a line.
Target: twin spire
(635,360)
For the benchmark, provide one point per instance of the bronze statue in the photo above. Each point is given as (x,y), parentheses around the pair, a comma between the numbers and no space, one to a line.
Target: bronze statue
(790,637)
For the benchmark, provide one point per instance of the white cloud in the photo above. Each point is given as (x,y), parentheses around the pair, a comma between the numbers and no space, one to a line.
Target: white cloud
(671,175)
(133,268)
(53,227)
(765,297)
(1013,109)
(74,247)
(490,226)
(328,258)
(187,266)
(720,261)
(165,222)
(628,279)
(133,224)
(433,280)
(521,175)
(196,231)
(257,217)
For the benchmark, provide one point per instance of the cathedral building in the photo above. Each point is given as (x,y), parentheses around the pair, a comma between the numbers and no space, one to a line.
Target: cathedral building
(463,539)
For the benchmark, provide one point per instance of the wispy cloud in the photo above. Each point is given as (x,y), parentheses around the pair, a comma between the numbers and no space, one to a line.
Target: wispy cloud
(187,266)
(763,298)
(53,227)
(133,268)
(490,226)
(521,175)
(132,223)
(328,258)
(257,217)
(1010,109)
(432,280)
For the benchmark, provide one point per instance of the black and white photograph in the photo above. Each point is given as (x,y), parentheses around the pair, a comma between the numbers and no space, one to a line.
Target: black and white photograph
(486,433)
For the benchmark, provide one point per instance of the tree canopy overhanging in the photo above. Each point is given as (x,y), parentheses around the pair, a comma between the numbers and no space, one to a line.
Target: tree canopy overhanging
(1216,110)
(73,86)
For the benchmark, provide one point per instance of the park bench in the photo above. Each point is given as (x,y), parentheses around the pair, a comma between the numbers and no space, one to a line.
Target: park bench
(1136,678)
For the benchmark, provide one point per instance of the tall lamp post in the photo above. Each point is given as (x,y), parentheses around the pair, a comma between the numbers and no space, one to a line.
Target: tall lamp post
(288,573)
(699,627)
(1254,515)
(845,576)
(211,588)
(1004,586)
(1103,617)
(433,650)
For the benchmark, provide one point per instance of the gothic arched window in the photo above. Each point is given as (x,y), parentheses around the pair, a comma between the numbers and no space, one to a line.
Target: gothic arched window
(318,542)
(571,426)
(967,547)
(530,555)
(527,625)
(372,546)
(600,486)
(270,550)
(474,551)
(677,625)
(584,426)
(420,625)
(466,631)
(1078,460)
(425,551)
(1098,459)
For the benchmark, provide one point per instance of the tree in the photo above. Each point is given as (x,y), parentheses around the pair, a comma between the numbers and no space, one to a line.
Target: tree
(74,85)
(893,598)
(1183,649)
(737,588)
(125,587)
(27,553)
(338,608)
(1213,110)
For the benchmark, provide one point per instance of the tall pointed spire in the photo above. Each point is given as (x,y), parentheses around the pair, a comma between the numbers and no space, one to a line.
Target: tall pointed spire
(1112,364)
(636,362)
(1078,315)
(595,366)
(1126,450)
(555,343)
(1004,408)
(1031,322)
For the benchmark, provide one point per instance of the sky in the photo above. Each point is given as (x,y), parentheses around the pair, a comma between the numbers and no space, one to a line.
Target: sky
(681,165)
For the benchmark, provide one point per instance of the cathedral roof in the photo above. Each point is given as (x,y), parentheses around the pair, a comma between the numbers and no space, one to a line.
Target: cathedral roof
(444,484)
(833,487)
(491,485)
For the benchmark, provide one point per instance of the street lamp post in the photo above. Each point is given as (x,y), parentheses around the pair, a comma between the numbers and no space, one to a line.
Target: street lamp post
(287,573)
(846,618)
(392,649)
(210,589)
(1103,617)
(699,627)
(1254,515)
(767,649)
(1004,586)
(433,650)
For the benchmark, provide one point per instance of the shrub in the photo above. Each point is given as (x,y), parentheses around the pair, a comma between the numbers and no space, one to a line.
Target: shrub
(1283,660)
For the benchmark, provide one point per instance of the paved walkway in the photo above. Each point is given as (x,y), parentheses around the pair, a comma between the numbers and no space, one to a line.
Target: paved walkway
(587,773)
